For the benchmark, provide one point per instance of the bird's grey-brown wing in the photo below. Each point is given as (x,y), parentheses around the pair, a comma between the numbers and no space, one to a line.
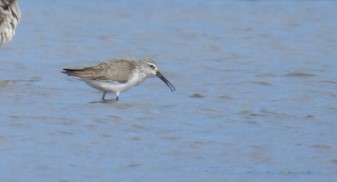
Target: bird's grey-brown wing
(114,70)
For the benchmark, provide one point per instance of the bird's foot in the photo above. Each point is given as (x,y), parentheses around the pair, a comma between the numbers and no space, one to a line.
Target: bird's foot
(109,100)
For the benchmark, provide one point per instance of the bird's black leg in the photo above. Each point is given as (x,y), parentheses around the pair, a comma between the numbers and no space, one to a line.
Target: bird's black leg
(103,97)
(108,100)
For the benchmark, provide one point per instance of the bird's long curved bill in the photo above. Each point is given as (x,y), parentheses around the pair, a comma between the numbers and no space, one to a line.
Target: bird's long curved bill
(168,83)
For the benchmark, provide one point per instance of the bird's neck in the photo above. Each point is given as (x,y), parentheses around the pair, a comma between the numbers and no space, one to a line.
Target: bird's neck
(137,77)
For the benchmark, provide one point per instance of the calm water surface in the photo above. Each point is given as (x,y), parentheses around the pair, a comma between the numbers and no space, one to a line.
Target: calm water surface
(256,92)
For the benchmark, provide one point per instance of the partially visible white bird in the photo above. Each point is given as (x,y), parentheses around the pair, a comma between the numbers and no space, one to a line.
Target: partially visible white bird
(9,18)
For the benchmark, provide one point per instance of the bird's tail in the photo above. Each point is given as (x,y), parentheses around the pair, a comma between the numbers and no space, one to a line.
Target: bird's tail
(70,71)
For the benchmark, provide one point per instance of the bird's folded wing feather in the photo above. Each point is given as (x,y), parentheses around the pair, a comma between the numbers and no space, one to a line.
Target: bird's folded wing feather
(115,70)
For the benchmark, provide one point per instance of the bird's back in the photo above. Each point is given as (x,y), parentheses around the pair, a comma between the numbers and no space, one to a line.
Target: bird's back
(117,70)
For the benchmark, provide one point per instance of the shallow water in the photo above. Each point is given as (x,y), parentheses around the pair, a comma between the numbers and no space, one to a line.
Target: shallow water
(255,101)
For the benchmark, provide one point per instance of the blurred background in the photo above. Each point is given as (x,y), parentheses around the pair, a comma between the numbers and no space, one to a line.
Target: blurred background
(256,92)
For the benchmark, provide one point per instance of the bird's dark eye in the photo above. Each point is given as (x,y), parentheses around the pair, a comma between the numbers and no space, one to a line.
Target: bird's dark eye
(152,66)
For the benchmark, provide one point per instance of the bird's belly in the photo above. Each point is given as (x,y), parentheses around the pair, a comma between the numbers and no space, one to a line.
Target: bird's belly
(109,86)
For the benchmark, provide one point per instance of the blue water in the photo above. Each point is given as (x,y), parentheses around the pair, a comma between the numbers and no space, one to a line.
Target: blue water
(255,101)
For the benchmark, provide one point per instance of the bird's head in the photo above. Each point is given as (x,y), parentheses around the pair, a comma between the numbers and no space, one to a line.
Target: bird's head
(151,69)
